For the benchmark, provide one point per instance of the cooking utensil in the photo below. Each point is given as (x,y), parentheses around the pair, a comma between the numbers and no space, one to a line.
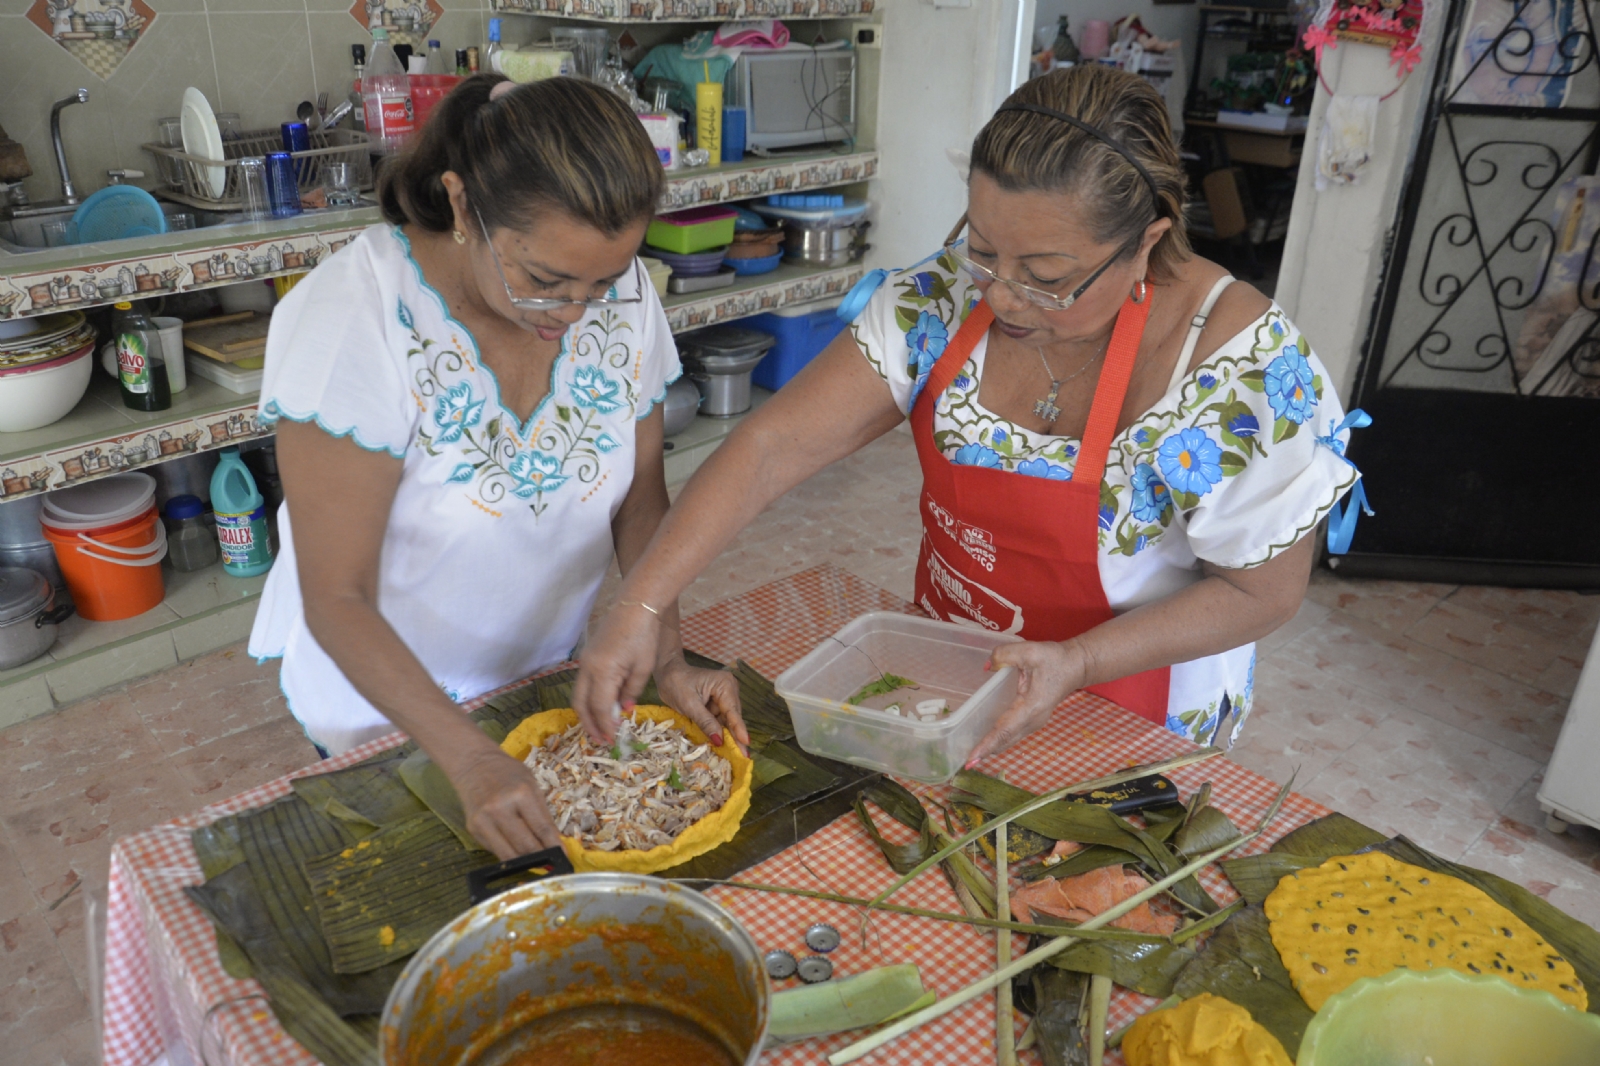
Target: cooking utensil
(487,882)
(304,113)
(583,942)
(41,393)
(679,284)
(1133,796)
(28,616)
(719,360)
(22,542)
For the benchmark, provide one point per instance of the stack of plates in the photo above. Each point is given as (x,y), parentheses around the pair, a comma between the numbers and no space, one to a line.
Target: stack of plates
(26,341)
(695,265)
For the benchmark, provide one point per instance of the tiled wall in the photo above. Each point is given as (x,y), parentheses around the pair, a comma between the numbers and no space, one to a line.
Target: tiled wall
(257,57)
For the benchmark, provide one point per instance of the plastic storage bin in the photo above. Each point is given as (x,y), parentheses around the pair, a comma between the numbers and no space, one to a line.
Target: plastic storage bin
(802,333)
(945,661)
(694,230)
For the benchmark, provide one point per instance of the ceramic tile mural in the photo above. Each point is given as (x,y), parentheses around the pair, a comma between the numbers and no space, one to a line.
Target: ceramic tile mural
(408,21)
(98,33)
(753,301)
(675,10)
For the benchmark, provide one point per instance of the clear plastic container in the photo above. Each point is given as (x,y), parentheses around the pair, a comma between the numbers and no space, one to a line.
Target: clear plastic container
(943,660)
(191,543)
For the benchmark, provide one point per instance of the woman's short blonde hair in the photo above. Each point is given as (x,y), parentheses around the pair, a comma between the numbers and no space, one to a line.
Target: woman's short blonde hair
(1027,151)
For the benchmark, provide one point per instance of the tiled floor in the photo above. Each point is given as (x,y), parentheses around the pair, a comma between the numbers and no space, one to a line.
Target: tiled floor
(1423,709)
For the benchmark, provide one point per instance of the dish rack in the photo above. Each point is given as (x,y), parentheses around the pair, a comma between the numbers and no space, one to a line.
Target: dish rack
(187,177)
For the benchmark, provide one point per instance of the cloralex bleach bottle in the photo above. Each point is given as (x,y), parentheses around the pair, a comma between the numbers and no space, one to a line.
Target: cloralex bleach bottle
(241,517)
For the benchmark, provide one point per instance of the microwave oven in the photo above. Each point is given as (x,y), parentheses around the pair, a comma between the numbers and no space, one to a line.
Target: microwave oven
(795,96)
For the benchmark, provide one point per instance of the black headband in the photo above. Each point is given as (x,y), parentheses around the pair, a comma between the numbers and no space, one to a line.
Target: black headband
(1102,136)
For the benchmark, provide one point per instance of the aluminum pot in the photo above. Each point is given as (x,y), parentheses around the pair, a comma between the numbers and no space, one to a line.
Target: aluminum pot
(484,986)
(22,541)
(827,244)
(679,407)
(28,616)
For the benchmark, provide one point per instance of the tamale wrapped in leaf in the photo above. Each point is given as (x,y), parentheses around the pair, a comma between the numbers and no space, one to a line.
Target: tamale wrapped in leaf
(1060,1001)
(1206,829)
(309,1020)
(382,898)
(1022,843)
(1241,965)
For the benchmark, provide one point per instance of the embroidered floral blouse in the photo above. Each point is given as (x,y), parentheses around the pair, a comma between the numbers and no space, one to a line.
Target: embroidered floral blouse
(500,533)
(1227,467)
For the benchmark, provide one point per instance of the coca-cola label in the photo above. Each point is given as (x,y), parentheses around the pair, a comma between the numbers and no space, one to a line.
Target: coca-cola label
(389,116)
(132,366)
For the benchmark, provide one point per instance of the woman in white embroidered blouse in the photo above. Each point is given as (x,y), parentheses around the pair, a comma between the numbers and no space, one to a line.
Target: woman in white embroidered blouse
(1071,330)
(466,401)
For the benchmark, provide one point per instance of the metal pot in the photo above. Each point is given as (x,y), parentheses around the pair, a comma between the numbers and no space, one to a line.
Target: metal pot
(719,360)
(22,541)
(508,971)
(677,410)
(827,244)
(28,616)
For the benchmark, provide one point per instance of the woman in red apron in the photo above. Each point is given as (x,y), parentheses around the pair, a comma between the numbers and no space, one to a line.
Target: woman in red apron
(1123,455)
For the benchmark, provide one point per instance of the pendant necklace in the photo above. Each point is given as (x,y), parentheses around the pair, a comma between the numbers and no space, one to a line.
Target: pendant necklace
(1046,408)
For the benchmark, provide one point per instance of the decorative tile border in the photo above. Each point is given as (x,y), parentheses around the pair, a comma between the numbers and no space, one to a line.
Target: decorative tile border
(156,273)
(720,307)
(408,21)
(686,189)
(97,33)
(688,10)
(138,447)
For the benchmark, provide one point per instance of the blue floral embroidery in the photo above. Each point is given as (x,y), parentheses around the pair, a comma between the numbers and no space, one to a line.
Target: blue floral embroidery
(606,442)
(1043,468)
(1191,461)
(455,411)
(1243,424)
(535,472)
(927,340)
(1108,516)
(595,389)
(1289,386)
(924,284)
(1150,496)
(1141,436)
(463,472)
(977,455)
(962,382)
(1207,381)
(999,436)
(1140,543)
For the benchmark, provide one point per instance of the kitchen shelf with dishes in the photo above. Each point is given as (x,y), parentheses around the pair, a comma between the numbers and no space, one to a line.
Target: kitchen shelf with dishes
(654,11)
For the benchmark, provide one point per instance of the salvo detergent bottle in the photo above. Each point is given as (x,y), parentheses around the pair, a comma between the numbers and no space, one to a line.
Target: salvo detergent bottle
(241,517)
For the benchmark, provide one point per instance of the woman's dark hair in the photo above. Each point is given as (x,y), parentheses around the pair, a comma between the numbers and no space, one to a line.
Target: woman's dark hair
(1027,151)
(561,144)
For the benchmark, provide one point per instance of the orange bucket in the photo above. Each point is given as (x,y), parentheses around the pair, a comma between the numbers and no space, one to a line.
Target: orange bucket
(113,571)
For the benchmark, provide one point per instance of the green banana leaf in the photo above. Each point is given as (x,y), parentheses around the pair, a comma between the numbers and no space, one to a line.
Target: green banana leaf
(1241,965)
(1148,968)
(365,797)
(1255,876)
(1203,831)
(1086,861)
(433,789)
(309,1019)
(1059,1003)
(896,800)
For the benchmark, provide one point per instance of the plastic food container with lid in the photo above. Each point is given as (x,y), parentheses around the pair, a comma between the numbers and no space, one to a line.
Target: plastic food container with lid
(942,659)
(694,230)
(109,542)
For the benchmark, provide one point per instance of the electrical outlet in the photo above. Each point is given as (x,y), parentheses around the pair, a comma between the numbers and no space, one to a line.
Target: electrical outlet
(869,36)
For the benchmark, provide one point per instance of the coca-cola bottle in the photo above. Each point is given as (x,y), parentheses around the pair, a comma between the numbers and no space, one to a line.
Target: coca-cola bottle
(386,96)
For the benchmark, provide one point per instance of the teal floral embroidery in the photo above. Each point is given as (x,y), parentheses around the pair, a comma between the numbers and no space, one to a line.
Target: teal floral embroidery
(535,472)
(1152,502)
(405,315)
(1044,468)
(606,442)
(454,412)
(1288,381)
(595,389)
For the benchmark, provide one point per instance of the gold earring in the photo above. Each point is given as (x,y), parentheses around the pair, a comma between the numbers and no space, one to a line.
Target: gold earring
(461,238)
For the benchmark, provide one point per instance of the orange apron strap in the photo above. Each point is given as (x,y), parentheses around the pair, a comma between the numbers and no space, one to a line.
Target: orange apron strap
(960,349)
(1103,415)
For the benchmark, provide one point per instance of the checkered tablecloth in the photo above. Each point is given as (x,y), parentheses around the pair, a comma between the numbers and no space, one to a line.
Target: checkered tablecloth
(165,987)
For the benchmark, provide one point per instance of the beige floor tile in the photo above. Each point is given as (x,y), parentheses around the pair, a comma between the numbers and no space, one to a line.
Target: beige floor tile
(1556,613)
(16,895)
(25,699)
(1310,615)
(54,757)
(1344,648)
(216,630)
(139,657)
(228,766)
(1566,883)
(216,695)
(38,995)
(1298,728)
(1486,641)
(1492,706)
(1412,774)
(75,1045)
(1524,818)
(1560,678)
(1395,604)
(202,590)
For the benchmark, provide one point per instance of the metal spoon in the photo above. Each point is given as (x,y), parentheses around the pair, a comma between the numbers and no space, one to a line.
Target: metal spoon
(304,113)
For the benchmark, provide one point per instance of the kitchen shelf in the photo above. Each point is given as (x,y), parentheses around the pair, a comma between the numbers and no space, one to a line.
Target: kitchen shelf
(101,437)
(788,285)
(649,11)
(754,177)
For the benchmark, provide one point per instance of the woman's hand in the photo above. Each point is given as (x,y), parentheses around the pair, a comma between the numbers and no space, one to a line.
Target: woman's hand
(505,807)
(1050,672)
(709,698)
(613,668)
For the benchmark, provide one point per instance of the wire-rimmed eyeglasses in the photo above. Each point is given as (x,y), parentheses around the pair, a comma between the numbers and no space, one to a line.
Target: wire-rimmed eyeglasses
(954,245)
(556,303)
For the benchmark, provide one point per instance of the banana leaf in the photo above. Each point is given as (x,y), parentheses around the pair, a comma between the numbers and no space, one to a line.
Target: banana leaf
(1022,843)
(1255,876)
(365,797)
(1198,800)
(900,857)
(766,714)
(217,847)
(1334,834)
(1148,968)
(382,899)
(896,800)
(309,1019)
(1088,860)
(1059,1002)
(765,770)
(1204,830)
(1241,964)
(433,789)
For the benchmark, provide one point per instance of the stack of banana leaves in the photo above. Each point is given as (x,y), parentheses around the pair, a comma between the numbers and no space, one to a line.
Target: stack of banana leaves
(324,895)
(1188,945)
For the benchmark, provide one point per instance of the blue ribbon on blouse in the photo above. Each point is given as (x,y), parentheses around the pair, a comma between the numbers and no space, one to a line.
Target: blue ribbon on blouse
(1342,517)
(855,301)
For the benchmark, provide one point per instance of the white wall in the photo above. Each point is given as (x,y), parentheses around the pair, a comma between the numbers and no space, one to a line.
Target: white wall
(1179,21)
(1333,254)
(942,73)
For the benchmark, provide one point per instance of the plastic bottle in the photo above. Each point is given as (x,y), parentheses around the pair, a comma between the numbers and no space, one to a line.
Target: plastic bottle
(190,543)
(141,366)
(241,517)
(386,96)
(493,48)
(358,56)
(462,70)
(435,59)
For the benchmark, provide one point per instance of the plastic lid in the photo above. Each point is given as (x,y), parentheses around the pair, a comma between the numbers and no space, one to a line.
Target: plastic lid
(105,502)
(494,29)
(22,592)
(433,44)
(379,33)
(180,507)
(123,306)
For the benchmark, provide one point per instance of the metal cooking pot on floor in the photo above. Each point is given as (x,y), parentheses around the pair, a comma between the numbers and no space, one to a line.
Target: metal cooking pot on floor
(28,616)
(527,969)
(679,407)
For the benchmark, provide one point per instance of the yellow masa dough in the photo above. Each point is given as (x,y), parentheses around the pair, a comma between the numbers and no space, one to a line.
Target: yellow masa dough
(1204,1031)
(1361,916)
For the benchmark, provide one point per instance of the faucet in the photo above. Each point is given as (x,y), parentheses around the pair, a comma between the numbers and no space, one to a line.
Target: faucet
(69,195)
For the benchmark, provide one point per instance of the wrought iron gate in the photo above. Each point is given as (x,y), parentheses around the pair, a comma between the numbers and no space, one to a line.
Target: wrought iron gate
(1482,366)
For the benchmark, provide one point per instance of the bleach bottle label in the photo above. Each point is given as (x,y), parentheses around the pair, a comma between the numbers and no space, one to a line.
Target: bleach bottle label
(243,539)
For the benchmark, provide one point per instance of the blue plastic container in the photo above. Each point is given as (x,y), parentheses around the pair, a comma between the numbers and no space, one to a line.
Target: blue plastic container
(733,126)
(801,333)
(764,265)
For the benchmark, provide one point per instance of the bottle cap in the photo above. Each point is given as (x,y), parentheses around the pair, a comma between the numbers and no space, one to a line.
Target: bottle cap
(494,29)
(814,969)
(822,937)
(123,306)
(433,44)
(358,53)
(379,33)
(185,507)
(780,965)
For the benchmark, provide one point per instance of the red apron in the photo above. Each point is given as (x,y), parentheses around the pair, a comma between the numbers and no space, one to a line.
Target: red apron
(1018,554)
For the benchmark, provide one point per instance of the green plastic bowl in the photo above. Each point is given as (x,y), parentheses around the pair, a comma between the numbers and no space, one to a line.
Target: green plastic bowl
(1414,1018)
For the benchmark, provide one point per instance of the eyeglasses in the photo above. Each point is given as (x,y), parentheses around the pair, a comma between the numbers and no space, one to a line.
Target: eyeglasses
(556,303)
(1038,297)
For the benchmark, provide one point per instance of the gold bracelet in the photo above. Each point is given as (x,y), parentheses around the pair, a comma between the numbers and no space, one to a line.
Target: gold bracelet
(646,606)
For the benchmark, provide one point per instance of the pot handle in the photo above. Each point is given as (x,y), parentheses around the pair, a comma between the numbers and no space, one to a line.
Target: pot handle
(539,865)
(55,616)
(159,546)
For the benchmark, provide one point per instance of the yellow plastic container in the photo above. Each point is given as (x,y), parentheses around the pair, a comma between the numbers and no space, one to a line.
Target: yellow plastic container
(1412,1018)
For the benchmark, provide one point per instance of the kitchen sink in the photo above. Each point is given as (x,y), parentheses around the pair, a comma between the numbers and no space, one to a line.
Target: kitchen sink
(22,228)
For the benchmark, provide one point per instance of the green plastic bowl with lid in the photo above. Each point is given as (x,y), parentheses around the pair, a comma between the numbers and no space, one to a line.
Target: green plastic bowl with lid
(1445,1018)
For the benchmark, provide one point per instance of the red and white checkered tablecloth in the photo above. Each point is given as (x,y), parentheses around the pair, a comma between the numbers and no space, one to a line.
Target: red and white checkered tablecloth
(165,987)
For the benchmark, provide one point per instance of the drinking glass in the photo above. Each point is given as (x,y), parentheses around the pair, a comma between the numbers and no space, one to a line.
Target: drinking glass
(169,133)
(57,232)
(180,220)
(340,185)
(253,189)
(228,124)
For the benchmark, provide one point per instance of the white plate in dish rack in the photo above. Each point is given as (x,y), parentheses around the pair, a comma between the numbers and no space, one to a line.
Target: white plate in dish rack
(202,137)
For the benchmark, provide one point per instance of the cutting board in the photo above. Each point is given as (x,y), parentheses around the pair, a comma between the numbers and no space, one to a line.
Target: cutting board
(228,338)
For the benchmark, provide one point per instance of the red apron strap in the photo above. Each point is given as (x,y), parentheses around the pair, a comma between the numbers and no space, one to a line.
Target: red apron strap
(955,356)
(1112,389)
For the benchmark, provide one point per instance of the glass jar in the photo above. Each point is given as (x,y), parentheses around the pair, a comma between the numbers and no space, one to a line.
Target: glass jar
(191,545)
